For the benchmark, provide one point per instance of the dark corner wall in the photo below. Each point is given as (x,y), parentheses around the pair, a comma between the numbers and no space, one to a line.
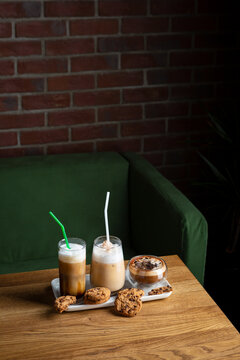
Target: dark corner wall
(124,75)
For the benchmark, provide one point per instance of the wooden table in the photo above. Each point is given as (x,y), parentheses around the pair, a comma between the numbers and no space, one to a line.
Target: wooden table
(187,325)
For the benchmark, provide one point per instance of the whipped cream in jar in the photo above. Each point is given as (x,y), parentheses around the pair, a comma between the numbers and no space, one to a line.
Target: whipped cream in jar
(146,270)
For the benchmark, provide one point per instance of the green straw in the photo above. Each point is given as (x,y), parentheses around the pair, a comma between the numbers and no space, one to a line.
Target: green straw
(62,227)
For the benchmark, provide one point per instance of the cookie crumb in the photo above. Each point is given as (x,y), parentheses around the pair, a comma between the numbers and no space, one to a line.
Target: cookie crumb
(160,290)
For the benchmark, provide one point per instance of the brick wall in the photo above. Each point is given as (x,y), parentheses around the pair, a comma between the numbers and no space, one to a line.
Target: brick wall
(130,75)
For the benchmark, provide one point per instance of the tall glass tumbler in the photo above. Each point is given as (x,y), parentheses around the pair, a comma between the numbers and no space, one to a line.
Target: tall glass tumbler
(72,267)
(107,266)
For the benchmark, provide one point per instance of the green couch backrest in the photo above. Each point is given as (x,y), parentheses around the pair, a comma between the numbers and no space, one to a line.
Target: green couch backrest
(74,188)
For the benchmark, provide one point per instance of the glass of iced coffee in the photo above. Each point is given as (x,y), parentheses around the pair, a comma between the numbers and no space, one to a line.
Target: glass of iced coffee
(72,266)
(107,266)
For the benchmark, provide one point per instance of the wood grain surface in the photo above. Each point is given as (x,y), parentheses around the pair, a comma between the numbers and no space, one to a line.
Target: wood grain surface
(187,325)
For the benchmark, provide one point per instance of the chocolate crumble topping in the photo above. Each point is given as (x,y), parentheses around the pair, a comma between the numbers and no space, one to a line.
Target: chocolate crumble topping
(147,263)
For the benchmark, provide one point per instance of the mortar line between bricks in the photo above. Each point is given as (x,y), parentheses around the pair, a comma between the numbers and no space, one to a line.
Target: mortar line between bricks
(19,102)
(96,8)
(120,18)
(101,72)
(42,9)
(111,53)
(13,37)
(32,111)
(95,116)
(52,143)
(79,125)
(18,138)
(42,17)
(67,22)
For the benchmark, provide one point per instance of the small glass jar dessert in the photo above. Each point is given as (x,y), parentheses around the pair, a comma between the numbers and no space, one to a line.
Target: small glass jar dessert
(146,270)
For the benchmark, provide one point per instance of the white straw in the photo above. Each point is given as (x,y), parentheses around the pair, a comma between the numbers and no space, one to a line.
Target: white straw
(106,216)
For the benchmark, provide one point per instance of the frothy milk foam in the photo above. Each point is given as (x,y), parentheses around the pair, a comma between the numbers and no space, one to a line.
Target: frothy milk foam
(76,254)
(107,255)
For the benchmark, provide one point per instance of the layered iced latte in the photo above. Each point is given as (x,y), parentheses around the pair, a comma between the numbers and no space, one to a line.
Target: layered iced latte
(72,267)
(107,266)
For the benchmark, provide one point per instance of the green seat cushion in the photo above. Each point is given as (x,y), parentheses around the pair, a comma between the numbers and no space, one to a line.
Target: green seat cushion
(73,187)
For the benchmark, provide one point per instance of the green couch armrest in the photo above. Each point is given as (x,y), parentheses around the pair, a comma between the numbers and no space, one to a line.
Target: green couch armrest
(163,221)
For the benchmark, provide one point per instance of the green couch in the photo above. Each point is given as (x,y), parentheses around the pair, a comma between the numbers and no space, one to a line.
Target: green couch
(146,211)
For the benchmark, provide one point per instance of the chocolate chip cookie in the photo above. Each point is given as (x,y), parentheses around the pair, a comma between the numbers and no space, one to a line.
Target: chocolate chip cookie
(97,295)
(128,305)
(61,304)
(131,291)
(160,290)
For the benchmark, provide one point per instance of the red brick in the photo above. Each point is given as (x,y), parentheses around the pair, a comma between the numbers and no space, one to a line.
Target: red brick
(194,23)
(165,142)
(94,132)
(168,76)
(178,125)
(39,66)
(21,85)
(169,42)
(191,58)
(40,28)
(143,60)
(96,62)
(43,136)
(5,30)
(8,139)
(120,79)
(71,82)
(6,67)
(166,109)
(120,113)
(69,8)
(70,148)
(119,145)
(122,7)
(69,46)
(145,25)
(93,26)
(20,48)
(192,91)
(17,121)
(8,103)
(94,98)
(15,9)
(145,94)
(46,101)
(143,128)
(120,43)
(161,7)
(72,117)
